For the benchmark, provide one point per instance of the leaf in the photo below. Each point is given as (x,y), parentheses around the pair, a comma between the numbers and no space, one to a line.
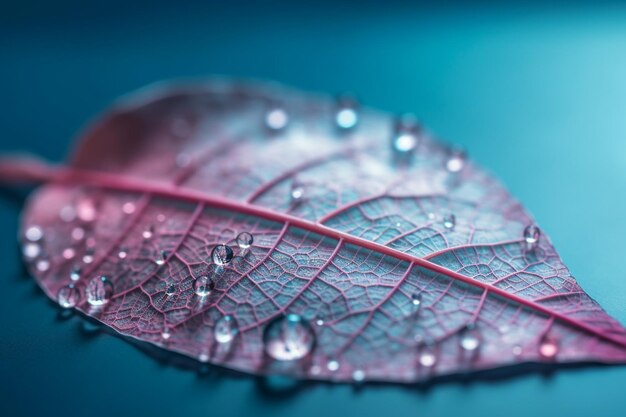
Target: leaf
(377,252)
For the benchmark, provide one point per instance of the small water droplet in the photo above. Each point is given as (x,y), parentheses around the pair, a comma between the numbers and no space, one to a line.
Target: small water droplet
(88,256)
(358,375)
(128,207)
(31,250)
(416,299)
(171,289)
(449,221)
(203,286)
(405,137)
(99,291)
(86,209)
(548,348)
(427,356)
(517,350)
(160,259)
(203,357)
(225,329)
(332,365)
(297,193)
(319,321)
(68,296)
(346,116)
(315,370)
(69,253)
(244,240)
(288,338)
(456,161)
(469,339)
(165,335)
(123,253)
(34,234)
(147,234)
(78,233)
(276,119)
(532,234)
(43,265)
(67,214)
(221,254)
(75,273)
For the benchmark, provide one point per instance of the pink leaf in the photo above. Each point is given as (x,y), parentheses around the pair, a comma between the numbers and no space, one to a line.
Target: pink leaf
(270,231)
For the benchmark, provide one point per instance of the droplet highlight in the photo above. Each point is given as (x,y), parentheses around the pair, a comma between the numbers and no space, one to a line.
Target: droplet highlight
(449,221)
(68,296)
(99,291)
(297,193)
(222,254)
(548,348)
(346,114)
(75,273)
(469,339)
(276,119)
(456,161)
(288,338)
(225,329)
(532,234)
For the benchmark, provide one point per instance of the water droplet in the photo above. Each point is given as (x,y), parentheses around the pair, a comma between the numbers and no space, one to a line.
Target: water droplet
(315,370)
(34,234)
(88,256)
(427,356)
(456,160)
(319,321)
(160,259)
(244,240)
(416,299)
(171,289)
(123,253)
(222,254)
(449,221)
(43,265)
(75,273)
(297,192)
(358,375)
(517,350)
(346,116)
(469,339)
(406,135)
(78,233)
(288,338)
(276,119)
(225,329)
(147,234)
(203,357)
(165,335)
(69,253)
(128,207)
(31,250)
(68,296)
(548,348)
(86,209)
(203,286)
(332,365)
(67,214)
(99,291)
(531,237)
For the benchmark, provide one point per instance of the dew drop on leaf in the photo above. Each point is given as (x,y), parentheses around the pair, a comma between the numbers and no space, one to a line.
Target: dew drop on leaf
(203,286)
(43,265)
(160,259)
(75,273)
(288,338)
(469,339)
(244,240)
(416,300)
(358,375)
(427,356)
(449,221)
(276,119)
(297,192)
(548,348)
(68,296)
(123,253)
(128,207)
(225,329)
(346,116)
(78,233)
(170,290)
(332,365)
(221,254)
(405,136)
(34,234)
(531,237)
(147,234)
(99,291)
(31,250)
(165,335)
(455,161)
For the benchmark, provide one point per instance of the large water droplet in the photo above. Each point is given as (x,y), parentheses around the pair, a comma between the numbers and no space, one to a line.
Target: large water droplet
(34,234)
(532,234)
(548,348)
(31,250)
(203,286)
(449,221)
(469,339)
(288,338)
(456,161)
(99,291)
(244,240)
(225,329)
(221,254)
(276,119)
(68,296)
(346,116)
(78,233)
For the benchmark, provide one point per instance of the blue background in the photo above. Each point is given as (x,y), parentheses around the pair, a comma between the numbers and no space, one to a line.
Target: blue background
(537,93)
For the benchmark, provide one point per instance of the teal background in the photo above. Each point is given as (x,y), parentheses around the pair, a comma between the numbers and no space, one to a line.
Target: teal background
(537,94)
